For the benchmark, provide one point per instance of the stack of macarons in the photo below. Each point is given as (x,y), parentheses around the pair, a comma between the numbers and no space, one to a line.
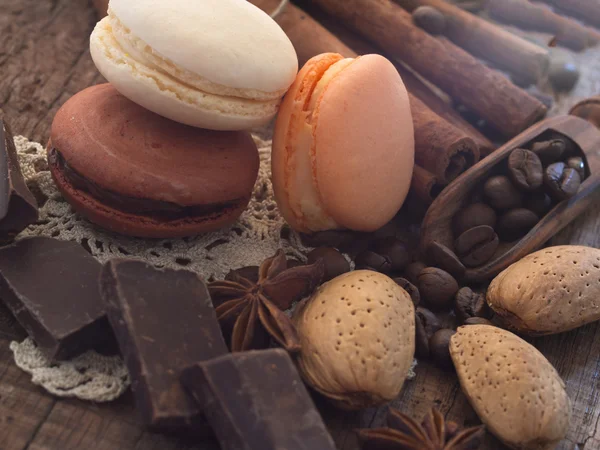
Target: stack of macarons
(163,150)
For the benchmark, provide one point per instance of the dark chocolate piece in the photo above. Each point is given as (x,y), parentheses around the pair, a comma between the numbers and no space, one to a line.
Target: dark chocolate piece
(164,321)
(51,287)
(256,401)
(18,207)
(141,206)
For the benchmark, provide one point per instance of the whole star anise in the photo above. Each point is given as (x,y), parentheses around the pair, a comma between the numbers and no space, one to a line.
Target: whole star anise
(250,311)
(434,433)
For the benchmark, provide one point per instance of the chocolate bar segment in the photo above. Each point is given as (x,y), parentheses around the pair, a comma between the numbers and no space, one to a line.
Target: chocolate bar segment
(164,321)
(256,401)
(51,287)
(18,207)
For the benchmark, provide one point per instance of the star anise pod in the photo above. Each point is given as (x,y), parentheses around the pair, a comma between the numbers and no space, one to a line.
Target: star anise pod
(434,433)
(251,311)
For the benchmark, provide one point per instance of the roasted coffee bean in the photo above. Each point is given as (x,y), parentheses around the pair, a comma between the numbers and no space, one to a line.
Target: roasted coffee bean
(430,321)
(341,239)
(394,251)
(412,271)
(369,260)
(334,262)
(248,272)
(549,151)
(538,202)
(525,169)
(439,255)
(562,182)
(473,215)
(437,288)
(501,193)
(468,303)
(439,348)
(516,223)
(421,339)
(410,288)
(429,19)
(477,321)
(576,162)
(477,245)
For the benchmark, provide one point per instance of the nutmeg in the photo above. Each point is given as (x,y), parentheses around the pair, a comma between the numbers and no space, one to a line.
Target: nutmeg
(357,335)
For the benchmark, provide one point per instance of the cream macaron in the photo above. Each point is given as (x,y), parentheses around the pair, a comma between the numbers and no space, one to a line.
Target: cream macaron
(215,64)
(343,148)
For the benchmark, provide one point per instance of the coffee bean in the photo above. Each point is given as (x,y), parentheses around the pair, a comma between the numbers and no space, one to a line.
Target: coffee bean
(421,339)
(394,251)
(429,19)
(477,245)
(341,239)
(538,202)
(412,271)
(473,215)
(439,348)
(525,169)
(430,321)
(562,182)
(576,162)
(549,151)
(334,262)
(439,255)
(516,223)
(369,260)
(477,321)
(410,288)
(501,193)
(248,272)
(468,303)
(437,288)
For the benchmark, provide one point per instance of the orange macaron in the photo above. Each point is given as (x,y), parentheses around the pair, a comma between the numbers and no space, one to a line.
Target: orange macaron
(134,172)
(343,147)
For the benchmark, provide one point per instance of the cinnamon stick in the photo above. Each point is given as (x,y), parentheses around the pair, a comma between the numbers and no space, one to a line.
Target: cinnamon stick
(487,92)
(488,41)
(531,16)
(586,10)
(425,185)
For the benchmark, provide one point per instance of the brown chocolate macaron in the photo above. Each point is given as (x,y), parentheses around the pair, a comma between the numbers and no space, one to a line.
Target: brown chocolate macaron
(136,173)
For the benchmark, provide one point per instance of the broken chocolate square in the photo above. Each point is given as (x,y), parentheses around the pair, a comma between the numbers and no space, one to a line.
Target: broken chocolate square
(256,400)
(51,287)
(18,207)
(164,321)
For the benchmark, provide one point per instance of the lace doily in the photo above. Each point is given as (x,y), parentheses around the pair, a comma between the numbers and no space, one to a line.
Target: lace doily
(253,238)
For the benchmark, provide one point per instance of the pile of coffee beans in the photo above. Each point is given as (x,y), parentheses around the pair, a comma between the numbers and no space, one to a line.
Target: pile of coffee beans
(511,202)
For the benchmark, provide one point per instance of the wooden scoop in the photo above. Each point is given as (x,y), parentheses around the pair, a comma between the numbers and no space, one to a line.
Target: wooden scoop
(437,225)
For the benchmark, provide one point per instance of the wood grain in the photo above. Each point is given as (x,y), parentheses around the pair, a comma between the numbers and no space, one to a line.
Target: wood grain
(39,71)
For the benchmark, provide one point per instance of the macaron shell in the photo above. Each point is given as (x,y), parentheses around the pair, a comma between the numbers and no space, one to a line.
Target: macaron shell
(230,42)
(290,118)
(363,147)
(166,96)
(129,150)
(143,226)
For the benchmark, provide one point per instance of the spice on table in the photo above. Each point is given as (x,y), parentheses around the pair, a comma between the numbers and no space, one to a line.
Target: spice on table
(249,312)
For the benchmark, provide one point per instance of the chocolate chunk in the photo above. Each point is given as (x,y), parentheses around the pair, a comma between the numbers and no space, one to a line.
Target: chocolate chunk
(18,207)
(51,287)
(256,400)
(164,321)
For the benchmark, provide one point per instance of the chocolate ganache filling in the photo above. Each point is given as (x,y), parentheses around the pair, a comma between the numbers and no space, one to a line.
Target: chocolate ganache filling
(141,206)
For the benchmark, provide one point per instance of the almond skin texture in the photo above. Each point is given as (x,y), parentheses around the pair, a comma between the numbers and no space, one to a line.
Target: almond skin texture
(513,388)
(358,339)
(550,291)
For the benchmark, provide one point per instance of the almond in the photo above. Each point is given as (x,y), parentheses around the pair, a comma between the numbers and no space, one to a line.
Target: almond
(357,334)
(550,291)
(513,388)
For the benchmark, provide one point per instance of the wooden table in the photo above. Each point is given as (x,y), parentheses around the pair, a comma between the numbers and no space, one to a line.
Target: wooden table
(44,59)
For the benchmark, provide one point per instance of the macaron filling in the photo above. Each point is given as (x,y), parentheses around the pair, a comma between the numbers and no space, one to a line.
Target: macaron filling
(304,195)
(104,44)
(156,209)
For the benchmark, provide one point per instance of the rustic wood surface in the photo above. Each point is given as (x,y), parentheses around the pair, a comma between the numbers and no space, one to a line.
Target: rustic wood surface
(44,59)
